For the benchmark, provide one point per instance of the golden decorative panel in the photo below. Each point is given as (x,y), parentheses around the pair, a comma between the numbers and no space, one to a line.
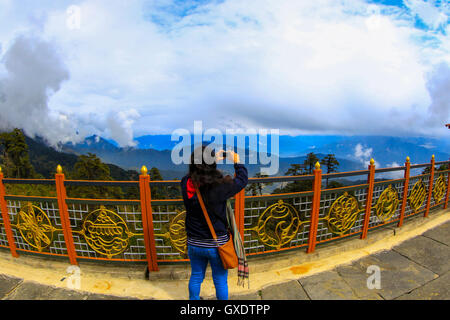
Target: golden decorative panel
(342,214)
(278,225)
(439,189)
(387,203)
(177,233)
(35,227)
(417,195)
(106,232)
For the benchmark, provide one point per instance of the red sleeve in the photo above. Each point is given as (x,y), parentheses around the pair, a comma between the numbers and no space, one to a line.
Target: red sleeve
(190,188)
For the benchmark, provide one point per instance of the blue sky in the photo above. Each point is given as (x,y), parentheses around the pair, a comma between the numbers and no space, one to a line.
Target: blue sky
(151,66)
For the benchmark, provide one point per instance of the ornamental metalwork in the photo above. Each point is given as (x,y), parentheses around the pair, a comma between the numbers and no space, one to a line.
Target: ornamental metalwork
(417,195)
(387,203)
(278,225)
(35,227)
(439,189)
(177,233)
(342,214)
(106,232)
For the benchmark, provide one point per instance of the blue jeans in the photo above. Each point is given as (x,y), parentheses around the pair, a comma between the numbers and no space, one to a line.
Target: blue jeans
(199,261)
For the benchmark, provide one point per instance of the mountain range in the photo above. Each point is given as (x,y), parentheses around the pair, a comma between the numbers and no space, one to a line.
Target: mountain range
(353,153)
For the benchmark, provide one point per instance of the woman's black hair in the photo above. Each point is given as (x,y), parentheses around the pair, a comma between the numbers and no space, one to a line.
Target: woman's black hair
(203,168)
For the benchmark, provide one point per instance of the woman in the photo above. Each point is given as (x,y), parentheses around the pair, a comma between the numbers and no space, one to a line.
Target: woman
(215,190)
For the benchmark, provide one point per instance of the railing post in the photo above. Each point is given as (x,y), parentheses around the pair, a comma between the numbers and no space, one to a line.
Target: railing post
(448,187)
(147,219)
(5,215)
(370,181)
(430,187)
(315,208)
(64,215)
(405,191)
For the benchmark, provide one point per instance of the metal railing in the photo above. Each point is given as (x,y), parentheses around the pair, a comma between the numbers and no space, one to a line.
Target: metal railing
(152,231)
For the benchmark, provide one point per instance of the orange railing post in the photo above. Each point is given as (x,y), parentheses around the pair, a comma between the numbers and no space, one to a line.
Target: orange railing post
(64,214)
(448,187)
(315,208)
(370,181)
(430,187)
(5,215)
(147,219)
(405,191)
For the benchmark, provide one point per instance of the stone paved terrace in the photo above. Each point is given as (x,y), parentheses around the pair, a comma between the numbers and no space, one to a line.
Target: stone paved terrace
(417,268)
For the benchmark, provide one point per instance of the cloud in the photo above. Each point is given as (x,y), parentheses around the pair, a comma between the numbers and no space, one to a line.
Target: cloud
(364,155)
(393,174)
(427,11)
(120,126)
(33,73)
(439,88)
(428,145)
(304,67)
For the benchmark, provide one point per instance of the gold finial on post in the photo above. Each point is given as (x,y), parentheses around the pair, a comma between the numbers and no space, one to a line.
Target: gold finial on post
(317,165)
(407,159)
(144,170)
(59,169)
(0,169)
(432,157)
(372,162)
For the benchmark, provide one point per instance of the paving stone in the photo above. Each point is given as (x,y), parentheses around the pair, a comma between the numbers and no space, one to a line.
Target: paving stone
(357,280)
(440,233)
(33,291)
(438,289)
(8,283)
(327,285)
(66,294)
(248,296)
(291,290)
(399,275)
(427,252)
(97,296)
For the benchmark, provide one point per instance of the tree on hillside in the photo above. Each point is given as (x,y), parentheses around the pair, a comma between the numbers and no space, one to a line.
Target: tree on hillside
(442,167)
(295,186)
(157,192)
(14,155)
(310,162)
(296,170)
(331,163)
(90,167)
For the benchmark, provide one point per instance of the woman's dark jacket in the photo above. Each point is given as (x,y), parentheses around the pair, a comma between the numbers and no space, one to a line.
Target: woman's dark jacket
(215,200)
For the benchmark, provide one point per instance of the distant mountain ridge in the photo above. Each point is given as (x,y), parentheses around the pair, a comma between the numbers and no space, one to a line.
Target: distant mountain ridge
(385,150)
(126,162)
(134,158)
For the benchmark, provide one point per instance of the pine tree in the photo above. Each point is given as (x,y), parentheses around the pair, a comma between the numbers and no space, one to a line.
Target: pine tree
(310,162)
(90,167)
(331,163)
(14,156)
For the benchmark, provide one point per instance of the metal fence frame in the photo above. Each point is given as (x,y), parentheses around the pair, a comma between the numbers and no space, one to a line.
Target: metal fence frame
(152,231)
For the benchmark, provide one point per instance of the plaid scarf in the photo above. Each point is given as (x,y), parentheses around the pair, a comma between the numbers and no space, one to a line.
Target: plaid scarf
(243,272)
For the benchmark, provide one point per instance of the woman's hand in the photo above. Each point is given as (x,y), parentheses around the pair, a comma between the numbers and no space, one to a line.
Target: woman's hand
(221,154)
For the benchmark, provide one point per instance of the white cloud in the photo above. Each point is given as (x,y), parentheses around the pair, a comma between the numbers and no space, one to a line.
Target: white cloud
(305,66)
(427,11)
(393,174)
(120,126)
(364,155)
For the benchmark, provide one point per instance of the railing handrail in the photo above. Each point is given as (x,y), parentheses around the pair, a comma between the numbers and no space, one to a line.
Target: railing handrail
(172,182)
